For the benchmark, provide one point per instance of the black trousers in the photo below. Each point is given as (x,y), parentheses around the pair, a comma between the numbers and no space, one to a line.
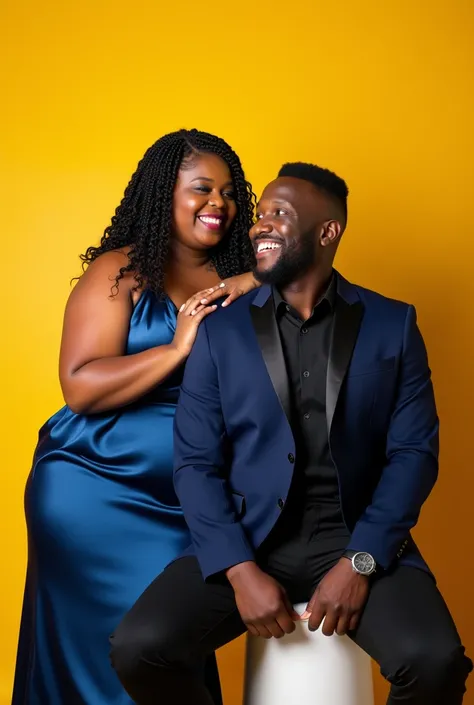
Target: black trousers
(406,627)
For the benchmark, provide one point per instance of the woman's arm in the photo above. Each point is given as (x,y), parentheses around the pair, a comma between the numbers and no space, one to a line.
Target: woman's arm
(94,371)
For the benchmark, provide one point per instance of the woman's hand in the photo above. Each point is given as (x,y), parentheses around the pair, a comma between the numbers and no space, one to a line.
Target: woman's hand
(190,316)
(232,288)
(202,304)
(238,286)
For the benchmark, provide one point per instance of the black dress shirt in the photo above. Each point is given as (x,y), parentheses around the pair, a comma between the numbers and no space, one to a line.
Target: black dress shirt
(311,527)
(306,351)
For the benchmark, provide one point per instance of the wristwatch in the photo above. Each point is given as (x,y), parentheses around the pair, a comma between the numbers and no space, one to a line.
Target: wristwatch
(362,562)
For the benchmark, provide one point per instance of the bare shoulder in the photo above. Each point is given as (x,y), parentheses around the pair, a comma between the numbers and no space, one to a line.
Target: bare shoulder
(100,275)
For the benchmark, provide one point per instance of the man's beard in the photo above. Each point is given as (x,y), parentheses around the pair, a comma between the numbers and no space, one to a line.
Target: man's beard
(294,262)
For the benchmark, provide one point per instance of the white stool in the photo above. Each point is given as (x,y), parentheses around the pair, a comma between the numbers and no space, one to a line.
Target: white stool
(307,668)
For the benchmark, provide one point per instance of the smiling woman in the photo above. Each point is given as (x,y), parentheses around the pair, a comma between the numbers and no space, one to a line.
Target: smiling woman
(102,515)
(205,205)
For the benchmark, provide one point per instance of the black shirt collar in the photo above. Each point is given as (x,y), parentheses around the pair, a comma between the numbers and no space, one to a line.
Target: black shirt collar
(329,296)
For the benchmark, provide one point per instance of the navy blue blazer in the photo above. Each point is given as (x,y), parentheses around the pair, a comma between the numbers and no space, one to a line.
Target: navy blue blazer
(235,452)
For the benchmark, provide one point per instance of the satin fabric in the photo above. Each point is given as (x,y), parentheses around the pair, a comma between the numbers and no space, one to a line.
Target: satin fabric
(103,521)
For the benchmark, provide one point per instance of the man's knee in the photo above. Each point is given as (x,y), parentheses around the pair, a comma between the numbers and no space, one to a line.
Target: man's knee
(430,668)
(135,648)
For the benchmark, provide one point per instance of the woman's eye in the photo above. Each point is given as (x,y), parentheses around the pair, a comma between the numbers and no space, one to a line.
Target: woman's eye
(229,194)
(280,211)
(202,189)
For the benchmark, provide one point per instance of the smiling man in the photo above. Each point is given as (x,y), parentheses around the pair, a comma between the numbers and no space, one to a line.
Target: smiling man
(306,441)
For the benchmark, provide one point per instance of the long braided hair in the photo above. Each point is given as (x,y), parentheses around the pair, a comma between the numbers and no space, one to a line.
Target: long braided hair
(143,219)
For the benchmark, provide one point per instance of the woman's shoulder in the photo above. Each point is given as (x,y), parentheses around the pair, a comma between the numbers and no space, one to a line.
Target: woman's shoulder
(105,269)
(110,261)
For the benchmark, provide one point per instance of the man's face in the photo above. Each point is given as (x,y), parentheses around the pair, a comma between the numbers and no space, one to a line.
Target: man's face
(285,236)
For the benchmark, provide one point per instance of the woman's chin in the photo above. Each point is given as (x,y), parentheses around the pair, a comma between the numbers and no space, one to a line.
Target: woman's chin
(208,240)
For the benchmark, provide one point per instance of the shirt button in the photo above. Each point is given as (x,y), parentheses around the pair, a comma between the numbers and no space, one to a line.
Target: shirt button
(306,416)
(281,503)
(287,308)
(306,373)
(303,331)
(291,457)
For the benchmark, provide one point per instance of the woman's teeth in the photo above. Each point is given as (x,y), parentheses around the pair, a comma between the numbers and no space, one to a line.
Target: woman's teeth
(209,220)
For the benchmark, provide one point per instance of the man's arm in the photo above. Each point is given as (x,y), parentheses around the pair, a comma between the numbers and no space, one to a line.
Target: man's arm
(412,454)
(406,481)
(200,475)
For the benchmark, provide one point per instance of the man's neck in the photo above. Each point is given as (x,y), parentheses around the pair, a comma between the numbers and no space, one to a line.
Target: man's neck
(304,294)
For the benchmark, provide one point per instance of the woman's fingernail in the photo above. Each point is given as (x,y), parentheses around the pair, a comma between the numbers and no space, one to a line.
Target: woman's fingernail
(182,308)
(224,303)
(193,312)
(204,301)
(221,285)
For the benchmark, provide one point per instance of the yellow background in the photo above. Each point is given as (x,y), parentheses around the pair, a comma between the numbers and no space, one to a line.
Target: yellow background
(380,92)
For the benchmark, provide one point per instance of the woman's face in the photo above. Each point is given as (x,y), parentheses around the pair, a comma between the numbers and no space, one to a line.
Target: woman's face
(203,203)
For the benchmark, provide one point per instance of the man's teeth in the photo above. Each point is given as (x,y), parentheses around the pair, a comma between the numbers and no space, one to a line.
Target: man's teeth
(211,221)
(267,246)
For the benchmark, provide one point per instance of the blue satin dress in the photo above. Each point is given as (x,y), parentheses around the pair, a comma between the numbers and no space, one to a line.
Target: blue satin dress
(103,521)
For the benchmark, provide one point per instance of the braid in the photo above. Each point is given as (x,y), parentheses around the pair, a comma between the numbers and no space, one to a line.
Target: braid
(143,219)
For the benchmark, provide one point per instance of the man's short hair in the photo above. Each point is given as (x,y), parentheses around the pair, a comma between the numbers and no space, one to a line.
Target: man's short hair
(326,181)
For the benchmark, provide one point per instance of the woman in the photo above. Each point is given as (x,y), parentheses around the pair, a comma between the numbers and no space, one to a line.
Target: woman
(102,515)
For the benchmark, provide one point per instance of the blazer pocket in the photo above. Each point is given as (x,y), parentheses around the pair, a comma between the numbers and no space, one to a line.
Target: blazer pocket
(372,368)
(239,504)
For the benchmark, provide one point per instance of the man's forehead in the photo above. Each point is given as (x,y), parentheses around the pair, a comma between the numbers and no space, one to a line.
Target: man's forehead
(289,189)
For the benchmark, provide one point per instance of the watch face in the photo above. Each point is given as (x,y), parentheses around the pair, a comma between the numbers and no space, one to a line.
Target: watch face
(364,563)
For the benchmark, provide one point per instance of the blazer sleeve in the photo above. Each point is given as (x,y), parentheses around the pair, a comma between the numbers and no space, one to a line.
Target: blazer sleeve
(200,469)
(412,457)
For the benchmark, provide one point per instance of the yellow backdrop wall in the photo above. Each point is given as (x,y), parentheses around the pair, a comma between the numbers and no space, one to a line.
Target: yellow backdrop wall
(380,92)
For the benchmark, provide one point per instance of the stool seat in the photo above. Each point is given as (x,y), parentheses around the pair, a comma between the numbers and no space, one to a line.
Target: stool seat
(306,668)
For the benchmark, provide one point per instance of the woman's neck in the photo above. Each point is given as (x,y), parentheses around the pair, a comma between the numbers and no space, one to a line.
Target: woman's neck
(182,257)
(187,272)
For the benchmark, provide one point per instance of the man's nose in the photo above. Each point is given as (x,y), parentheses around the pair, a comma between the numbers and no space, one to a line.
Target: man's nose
(263,226)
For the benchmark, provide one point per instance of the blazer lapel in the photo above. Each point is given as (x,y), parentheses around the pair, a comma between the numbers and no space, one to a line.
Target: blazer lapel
(347,320)
(268,336)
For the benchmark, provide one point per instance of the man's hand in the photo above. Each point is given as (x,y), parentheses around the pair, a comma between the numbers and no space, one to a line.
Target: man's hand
(339,598)
(262,602)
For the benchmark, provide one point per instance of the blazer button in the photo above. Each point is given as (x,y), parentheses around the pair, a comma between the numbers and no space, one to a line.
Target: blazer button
(281,503)
(291,457)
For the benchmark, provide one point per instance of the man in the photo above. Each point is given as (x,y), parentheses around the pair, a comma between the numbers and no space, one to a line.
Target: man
(306,443)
